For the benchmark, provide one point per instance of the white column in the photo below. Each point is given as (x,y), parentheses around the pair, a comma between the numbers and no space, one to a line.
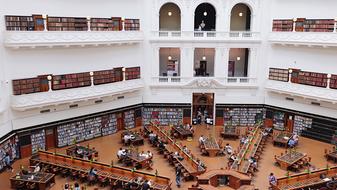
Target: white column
(328,80)
(88,23)
(187,61)
(44,16)
(294,25)
(155,62)
(252,63)
(335,25)
(221,63)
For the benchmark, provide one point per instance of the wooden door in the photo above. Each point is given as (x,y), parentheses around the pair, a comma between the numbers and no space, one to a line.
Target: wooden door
(50,139)
(120,121)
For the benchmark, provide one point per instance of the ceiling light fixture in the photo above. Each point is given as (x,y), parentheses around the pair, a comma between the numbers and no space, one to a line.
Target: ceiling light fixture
(238,58)
(240,14)
(205,13)
(169,13)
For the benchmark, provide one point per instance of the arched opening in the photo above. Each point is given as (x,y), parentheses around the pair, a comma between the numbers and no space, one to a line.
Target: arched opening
(238,62)
(169,17)
(240,18)
(204,17)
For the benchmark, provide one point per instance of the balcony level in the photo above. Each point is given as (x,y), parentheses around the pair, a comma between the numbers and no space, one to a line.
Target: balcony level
(204,82)
(33,39)
(68,96)
(310,39)
(206,36)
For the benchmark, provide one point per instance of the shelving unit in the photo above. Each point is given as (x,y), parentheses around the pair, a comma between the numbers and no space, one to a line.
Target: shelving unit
(165,116)
(299,26)
(109,124)
(19,23)
(131,24)
(129,119)
(30,85)
(311,78)
(283,25)
(104,77)
(38,140)
(101,24)
(243,116)
(67,24)
(71,81)
(278,120)
(333,82)
(92,127)
(301,123)
(132,73)
(10,146)
(70,133)
(318,25)
(279,74)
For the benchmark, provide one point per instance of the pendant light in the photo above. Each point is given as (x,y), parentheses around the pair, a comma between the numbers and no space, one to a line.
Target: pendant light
(204,56)
(169,57)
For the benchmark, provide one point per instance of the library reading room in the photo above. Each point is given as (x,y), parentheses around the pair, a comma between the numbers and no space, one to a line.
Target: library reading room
(168,95)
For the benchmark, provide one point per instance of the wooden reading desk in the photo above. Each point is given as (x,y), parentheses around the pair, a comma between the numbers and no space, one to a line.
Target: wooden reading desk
(242,164)
(332,156)
(43,180)
(289,159)
(306,180)
(182,132)
(230,133)
(137,140)
(142,161)
(84,151)
(236,179)
(114,173)
(282,139)
(211,146)
(189,163)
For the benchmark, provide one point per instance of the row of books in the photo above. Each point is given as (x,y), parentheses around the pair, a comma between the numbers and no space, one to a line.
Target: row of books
(278,120)
(333,82)
(279,74)
(243,116)
(165,116)
(38,140)
(9,146)
(67,19)
(65,81)
(304,25)
(301,123)
(129,119)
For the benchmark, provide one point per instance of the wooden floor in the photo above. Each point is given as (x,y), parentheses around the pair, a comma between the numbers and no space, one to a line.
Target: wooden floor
(108,146)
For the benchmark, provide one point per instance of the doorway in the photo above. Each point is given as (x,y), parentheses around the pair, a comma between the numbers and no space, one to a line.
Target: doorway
(203,107)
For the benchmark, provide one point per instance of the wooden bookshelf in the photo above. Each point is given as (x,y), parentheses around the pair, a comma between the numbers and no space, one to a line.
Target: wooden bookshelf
(301,123)
(165,116)
(101,24)
(132,73)
(318,25)
(10,146)
(67,24)
(38,140)
(24,23)
(131,24)
(71,81)
(309,78)
(104,77)
(279,120)
(243,116)
(129,119)
(299,26)
(279,74)
(30,85)
(283,25)
(333,82)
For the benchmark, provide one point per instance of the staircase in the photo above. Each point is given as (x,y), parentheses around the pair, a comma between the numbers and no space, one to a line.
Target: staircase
(321,130)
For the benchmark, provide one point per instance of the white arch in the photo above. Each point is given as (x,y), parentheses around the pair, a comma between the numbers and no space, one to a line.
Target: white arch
(199,2)
(176,2)
(249,4)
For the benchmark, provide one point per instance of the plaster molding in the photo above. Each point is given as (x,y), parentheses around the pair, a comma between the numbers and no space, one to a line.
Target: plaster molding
(310,39)
(32,39)
(51,98)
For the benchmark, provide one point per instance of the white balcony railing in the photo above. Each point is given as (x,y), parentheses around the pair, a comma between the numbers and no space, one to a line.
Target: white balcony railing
(204,82)
(324,39)
(57,97)
(304,91)
(205,35)
(32,39)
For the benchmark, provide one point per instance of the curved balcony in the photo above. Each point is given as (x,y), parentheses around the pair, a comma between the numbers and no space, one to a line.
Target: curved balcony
(323,39)
(203,82)
(32,39)
(205,36)
(304,91)
(52,98)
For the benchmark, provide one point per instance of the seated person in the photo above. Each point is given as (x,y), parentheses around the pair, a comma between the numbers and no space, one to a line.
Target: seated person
(177,156)
(92,173)
(201,166)
(253,162)
(242,141)
(149,154)
(121,153)
(184,148)
(201,139)
(77,186)
(295,138)
(127,138)
(272,180)
(146,185)
(191,128)
(66,186)
(233,158)
(228,149)
(291,143)
(36,168)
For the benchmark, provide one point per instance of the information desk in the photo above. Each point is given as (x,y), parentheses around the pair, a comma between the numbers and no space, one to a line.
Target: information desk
(42,180)
(82,153)
(235,179)
(115,173)
(182,132)
(142,161)
(332,156)
(248,150)
(189,163)
(314,179)
(230,133)
(136,140)
(211,146)
(282,139)
(289,159)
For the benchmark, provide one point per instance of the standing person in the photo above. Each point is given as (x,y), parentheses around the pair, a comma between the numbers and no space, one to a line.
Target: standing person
(77,186)
(8,162)
(272,180)
(178,176)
